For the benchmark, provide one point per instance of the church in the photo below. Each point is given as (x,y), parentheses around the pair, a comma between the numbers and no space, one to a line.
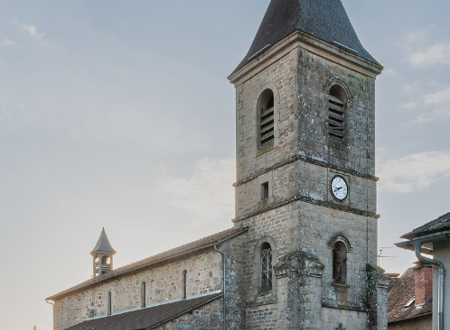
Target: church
(301,252)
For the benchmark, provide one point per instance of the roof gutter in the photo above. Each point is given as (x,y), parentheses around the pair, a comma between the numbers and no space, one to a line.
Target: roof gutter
(224,311)
(440,302)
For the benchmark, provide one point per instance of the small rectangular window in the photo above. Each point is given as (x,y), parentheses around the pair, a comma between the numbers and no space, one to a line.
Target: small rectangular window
(265,190)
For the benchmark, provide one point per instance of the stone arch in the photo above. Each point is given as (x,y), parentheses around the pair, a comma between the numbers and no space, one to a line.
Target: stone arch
(341,247)
(263,243)
(340,237)
(265,92)
(336,81)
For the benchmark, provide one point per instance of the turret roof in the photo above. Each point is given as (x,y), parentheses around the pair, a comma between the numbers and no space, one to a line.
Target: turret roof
(103,244)
(324,19)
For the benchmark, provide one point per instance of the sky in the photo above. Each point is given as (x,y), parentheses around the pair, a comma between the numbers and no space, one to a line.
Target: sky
(119,114)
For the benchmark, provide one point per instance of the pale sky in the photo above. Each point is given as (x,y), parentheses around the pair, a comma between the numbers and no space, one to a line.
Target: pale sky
(118,114)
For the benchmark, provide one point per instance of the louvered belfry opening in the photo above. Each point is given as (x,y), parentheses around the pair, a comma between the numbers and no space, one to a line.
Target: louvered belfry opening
(336,114)
(267,118)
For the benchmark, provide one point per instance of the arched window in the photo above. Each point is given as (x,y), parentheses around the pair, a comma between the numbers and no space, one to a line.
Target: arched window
(337,102)
(266,268)
(109,303)
(143,294)
(105,265)
(266,118)
(185,283)
(339,263)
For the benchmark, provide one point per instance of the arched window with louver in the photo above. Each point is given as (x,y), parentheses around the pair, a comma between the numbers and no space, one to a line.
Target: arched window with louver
(266,118)
(337,103)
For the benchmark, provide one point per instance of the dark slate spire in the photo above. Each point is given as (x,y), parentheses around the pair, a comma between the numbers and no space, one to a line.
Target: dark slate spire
(103,244)
(323,19)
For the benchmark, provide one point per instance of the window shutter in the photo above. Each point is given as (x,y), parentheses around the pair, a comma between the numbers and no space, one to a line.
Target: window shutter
(336,120)
(267,126)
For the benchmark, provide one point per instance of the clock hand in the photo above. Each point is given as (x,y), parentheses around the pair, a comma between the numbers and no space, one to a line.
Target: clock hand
(338,189)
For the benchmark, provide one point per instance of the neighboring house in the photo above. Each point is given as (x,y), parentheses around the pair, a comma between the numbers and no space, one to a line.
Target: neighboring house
(302,252)
(410,300)
(433,238)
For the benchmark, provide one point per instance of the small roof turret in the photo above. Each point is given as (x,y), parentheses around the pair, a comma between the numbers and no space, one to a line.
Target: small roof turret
(324,19)
(103,245)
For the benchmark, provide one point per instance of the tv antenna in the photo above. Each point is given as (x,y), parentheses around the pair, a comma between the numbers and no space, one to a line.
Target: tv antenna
(381,254)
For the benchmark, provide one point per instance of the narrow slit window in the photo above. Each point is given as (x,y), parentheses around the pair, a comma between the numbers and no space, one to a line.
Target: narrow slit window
(267,118)
(185,284)
(266,268)
(336,114)
(265,191)
(143,294)
(109,303)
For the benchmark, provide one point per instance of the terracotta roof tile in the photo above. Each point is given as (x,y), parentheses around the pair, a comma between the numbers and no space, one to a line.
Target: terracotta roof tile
(399,294)
(148,318)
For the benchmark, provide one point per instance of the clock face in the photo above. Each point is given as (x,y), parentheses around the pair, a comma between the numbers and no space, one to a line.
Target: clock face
(339,188)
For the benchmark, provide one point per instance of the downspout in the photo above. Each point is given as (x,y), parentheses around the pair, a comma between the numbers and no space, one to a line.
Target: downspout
(223,288)
(440,265)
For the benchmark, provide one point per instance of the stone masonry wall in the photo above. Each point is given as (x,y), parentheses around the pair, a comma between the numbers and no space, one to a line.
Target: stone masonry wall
(301,81)
(302,226)
(164,284)
(262,317)
(353,320)
(280,78)
(300,214)
(316,75)
(208,317)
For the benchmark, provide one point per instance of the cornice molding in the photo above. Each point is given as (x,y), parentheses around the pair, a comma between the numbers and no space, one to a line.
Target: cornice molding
(302,40)
(310,201)
(306,159)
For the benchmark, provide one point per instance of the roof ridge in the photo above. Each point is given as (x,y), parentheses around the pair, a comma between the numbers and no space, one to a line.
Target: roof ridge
(175,248)
(157,258)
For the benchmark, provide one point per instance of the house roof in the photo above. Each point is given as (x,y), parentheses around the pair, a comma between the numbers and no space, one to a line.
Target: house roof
(324,19)
(148,318)
(438,225)
(198,245)
(103,244)
(401,292)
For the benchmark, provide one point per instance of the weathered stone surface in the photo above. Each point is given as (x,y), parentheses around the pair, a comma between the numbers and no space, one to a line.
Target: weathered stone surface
(298,219)
(164,284)
(301,214)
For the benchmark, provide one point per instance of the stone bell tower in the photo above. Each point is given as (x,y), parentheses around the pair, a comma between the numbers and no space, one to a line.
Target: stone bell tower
(102,255)
(306,184)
